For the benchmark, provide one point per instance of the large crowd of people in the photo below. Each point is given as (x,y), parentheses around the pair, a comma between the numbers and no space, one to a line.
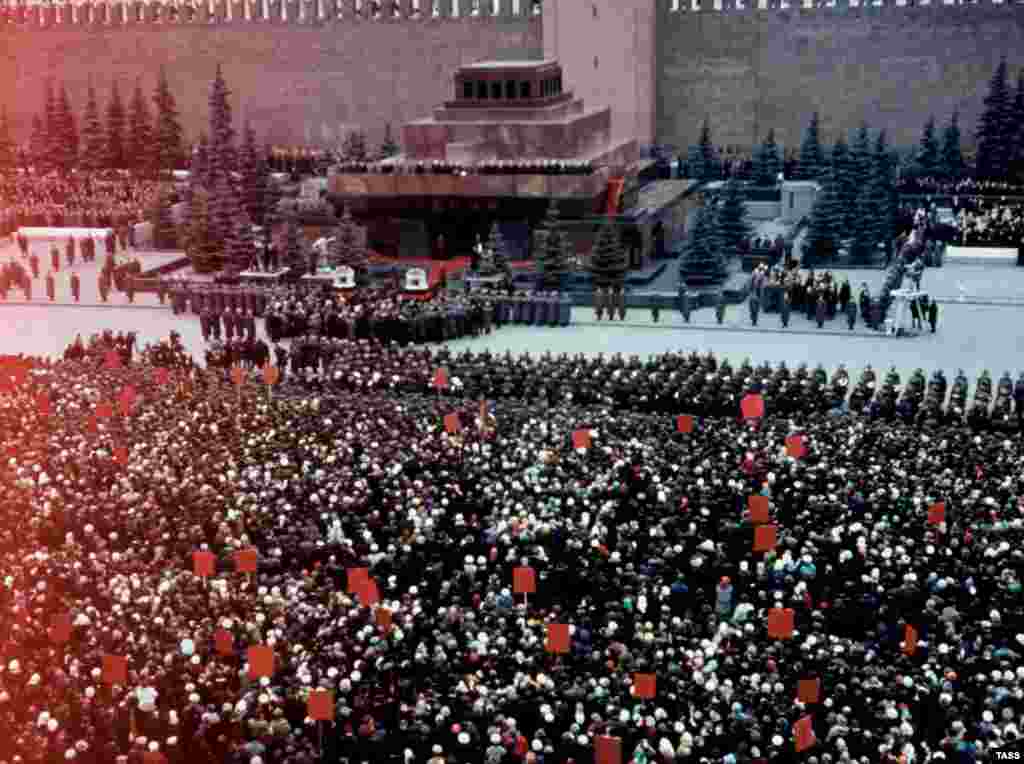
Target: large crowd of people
(91,200)
(641,540)
(981,222)
(960,186)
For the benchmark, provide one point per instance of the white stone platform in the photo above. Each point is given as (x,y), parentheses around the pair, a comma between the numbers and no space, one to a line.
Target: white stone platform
(980,256)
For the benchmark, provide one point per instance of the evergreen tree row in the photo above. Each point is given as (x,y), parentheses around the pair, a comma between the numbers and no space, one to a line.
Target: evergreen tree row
(719,229)
(112,138)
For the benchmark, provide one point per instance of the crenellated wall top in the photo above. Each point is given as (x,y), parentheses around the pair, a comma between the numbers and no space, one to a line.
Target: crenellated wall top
(45,15)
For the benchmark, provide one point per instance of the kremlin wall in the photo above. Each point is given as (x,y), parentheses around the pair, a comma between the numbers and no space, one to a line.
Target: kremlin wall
(307,72)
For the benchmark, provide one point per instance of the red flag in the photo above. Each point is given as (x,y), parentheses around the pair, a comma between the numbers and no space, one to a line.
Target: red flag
(558,638)
(153,757)
(271,374)
(60,629)
(115,669)
(937,513)
(237,374)
(43,402)
(645,686)
(320,706)
(203,563)
(452,423)
(161,376)
(440,378)
(581,439)
(758,506)
(112,360)
(245,560)
(684,423)
(261,661)
(121,455)
(524,580)
(808,690)
(795,446)
(752,406)
(92,424)
(909,640)
(104,410)
(384,618)
(607,750)
(803,734)
(19,373)
(765,538)
(224,642)
(356,578)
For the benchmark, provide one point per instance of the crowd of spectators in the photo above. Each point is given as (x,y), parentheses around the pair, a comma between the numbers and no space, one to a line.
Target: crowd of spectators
(982,222)
(961,187)
(498,167)
(91,200)
(642,542)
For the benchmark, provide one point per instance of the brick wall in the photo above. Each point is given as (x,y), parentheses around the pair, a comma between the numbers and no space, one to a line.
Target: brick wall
(295,82)
(753,69)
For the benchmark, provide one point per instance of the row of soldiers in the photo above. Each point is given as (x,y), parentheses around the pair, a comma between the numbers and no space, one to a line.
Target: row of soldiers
(87,245)
(235,323)
(216,297)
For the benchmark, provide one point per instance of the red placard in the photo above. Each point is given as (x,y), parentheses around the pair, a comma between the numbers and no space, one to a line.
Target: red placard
(558,638)
(452,423)
(937,513)
(581,439)
(607,750)
(261,661)
(203,563)
(752,406)
(237,374)
(765,538)
(92,424)
(271,374)
(224,642)
(684,423)
(384,618)
(115,669)
(803,734)
(320,706)
(357,578)
(161,376)
(440,380)
(104,410)
(758,506)
(246,560)
(795,446)
(369,592)
(154,757)
(112,359)
(121,455)
(524,580)
(126,400)
(43,403)
(909,640)
(19,373)
(808,690)
(781,623)
(60,629)
(645,686)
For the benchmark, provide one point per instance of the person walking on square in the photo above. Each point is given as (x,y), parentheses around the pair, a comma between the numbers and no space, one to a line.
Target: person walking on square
(204,325)
(23,244)
(76,286)
(915,314)
(851,314)
(130,288)
(684,300)
(755,307)
(51,286)
(104,286)
(844,294)
(69,250)
(34,264)
(719,307)
(655,313)
(785,309)
(933,314)
(819,311)
(55,258)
